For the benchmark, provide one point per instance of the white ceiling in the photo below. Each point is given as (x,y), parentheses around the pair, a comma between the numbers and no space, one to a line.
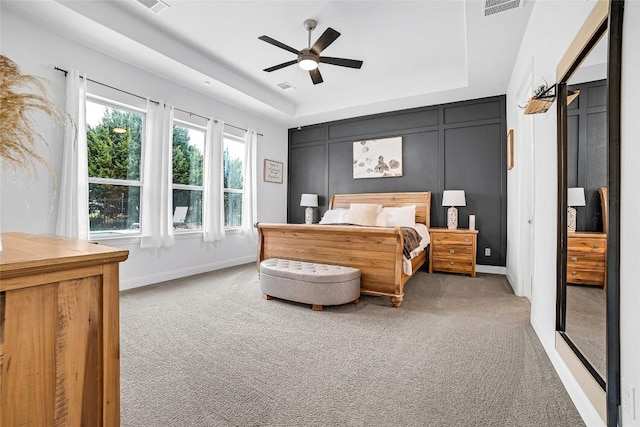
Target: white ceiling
(415,53)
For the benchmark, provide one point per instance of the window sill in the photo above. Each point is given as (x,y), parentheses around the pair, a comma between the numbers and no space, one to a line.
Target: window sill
(130,238)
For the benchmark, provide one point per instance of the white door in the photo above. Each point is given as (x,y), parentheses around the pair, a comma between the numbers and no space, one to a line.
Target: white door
(526,194)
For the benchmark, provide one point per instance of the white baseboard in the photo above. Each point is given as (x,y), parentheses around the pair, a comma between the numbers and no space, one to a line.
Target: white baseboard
(150,279)
(586,410)
(491,269)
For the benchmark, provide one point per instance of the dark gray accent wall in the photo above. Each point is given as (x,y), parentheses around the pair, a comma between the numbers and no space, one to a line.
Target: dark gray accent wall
(587,150)
(458,146)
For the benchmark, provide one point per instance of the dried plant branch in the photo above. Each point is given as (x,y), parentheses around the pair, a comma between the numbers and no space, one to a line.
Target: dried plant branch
(20,97)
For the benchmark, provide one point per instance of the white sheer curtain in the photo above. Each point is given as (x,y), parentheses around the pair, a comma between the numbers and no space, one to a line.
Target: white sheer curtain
(156,222)
(249,187)
(73,205)
(213,183)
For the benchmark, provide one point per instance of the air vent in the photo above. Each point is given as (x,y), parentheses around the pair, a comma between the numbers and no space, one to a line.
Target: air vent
(156,6)
(285,86)
(491,7)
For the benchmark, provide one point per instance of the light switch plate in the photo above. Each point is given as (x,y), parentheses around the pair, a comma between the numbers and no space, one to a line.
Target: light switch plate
(628,399)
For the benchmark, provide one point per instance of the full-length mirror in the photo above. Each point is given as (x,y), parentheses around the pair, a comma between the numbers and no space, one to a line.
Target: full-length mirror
(588,109)
(586,310)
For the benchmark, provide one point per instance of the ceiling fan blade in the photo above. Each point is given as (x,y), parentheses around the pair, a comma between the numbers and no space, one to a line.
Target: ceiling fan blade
(316,77)
(278,44)
(277,67)
(342,62)
(329,36)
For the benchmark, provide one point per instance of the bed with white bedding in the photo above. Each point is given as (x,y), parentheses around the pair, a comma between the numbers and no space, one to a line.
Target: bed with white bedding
(366,231)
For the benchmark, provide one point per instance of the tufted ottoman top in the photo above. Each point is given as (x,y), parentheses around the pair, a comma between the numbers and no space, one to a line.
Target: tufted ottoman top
(308,271)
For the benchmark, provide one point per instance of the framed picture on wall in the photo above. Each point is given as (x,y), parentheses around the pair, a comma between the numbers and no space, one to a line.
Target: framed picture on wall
(510,157)
(272,171)
(377,158)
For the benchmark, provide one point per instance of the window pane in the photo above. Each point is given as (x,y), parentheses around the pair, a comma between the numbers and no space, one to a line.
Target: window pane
(188,149)
(113,141)
(232,209)
(191,200)
(233,155)
(113,207)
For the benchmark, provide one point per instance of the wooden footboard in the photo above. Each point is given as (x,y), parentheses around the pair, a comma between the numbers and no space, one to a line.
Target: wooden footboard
(376,251)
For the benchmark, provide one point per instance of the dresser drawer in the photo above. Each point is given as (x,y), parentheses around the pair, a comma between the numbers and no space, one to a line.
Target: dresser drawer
(585,276)
(451,239)
(453,250)
(453,265)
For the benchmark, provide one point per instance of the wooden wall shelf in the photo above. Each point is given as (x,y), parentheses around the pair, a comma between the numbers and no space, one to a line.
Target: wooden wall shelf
(541,104)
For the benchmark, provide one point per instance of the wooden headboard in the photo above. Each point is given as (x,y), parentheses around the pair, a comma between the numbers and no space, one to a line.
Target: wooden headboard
(422,200)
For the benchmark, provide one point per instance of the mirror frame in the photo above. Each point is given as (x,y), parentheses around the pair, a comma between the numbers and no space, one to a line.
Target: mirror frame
(594,27)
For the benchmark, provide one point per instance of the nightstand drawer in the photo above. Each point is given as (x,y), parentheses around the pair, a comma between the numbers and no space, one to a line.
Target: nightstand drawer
(587,245)
(438,239)
(453,265)
(446,250)
(585,259)
(585,276)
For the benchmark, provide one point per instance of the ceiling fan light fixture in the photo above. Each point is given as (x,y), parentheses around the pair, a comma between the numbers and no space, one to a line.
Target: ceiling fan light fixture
(308,64)
(307,60)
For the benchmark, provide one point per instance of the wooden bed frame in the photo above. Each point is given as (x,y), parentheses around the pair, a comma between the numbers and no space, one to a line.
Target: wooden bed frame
(376,251)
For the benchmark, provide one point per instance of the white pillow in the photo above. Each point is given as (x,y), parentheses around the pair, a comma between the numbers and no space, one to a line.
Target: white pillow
(363,213)
(404,216)
(381,219)
(335,216)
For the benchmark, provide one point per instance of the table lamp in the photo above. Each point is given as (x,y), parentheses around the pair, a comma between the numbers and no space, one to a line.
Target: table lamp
(310,201)
(453,198)
(575,197)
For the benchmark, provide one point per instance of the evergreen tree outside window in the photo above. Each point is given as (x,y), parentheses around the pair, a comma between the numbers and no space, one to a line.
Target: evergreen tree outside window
(188,152)
(233,165)
(114,145)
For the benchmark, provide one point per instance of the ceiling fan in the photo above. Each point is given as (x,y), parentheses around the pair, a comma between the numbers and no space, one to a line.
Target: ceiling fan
(309,58)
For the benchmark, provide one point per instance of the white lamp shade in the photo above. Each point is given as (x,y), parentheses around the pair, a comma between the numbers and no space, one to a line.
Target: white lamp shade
(575,197)
(309,200)
(453,198)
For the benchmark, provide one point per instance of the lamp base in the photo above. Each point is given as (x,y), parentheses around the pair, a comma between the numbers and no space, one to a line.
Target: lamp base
(308,215)
(571,219)
(452,218)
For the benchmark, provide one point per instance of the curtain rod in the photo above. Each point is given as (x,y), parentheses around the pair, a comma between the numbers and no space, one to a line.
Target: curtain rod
(151,100)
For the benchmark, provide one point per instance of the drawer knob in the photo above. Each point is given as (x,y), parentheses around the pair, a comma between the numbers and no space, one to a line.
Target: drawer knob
(438,239)
(595,246)
(574,272)
(451,262)
(574,259)
(466,239)
(452,251)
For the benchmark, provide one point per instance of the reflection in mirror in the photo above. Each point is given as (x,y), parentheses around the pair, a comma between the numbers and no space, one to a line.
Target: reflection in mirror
(586,199)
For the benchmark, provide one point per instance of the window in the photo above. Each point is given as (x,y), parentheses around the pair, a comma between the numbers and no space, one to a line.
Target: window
(114,144)
(188,151)
(233,177)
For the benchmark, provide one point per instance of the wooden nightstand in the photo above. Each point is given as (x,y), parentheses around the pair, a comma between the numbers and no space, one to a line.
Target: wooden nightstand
(453,251)
(587,258)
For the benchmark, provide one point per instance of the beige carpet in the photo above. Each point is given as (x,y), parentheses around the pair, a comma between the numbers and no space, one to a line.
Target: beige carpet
(586,323)
(209,351)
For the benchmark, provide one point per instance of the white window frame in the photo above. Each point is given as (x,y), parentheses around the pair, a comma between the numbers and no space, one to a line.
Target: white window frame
(226,136)
(105,234)
(193,126)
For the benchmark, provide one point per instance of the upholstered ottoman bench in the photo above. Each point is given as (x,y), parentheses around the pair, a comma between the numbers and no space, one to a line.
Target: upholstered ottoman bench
(309,283)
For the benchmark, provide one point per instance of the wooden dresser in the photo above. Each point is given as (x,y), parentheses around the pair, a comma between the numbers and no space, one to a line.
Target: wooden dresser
(59,332)
(587,258)
(453,251)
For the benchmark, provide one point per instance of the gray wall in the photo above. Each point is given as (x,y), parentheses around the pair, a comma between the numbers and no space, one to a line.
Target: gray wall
(587,150)
(458,146)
